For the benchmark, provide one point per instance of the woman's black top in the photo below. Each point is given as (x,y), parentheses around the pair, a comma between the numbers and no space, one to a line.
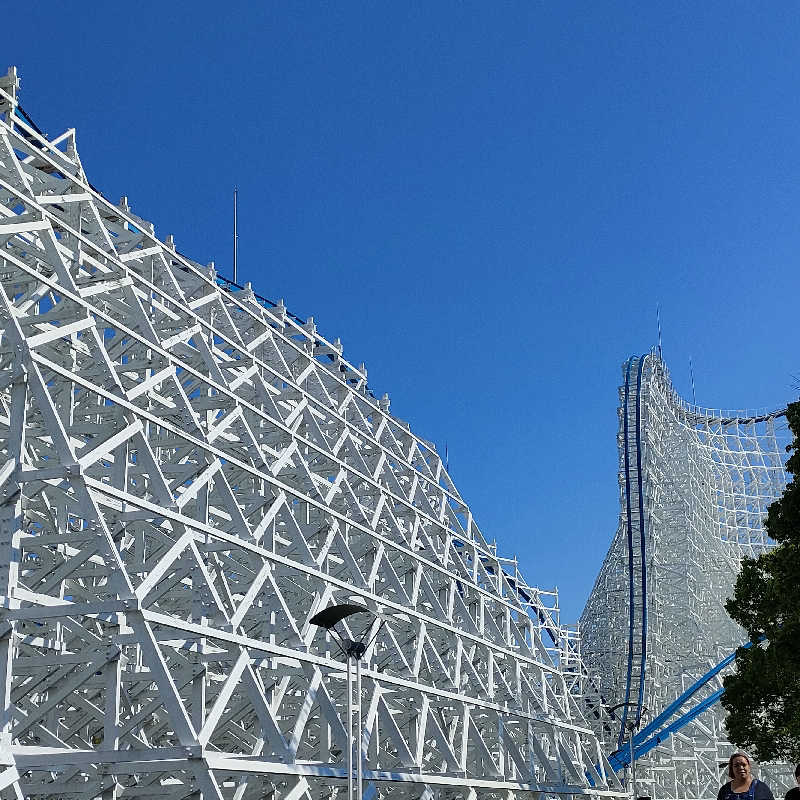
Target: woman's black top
(758,791)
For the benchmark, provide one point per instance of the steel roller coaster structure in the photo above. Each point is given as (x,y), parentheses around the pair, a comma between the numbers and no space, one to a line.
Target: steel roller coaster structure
(189,474)
(695,485)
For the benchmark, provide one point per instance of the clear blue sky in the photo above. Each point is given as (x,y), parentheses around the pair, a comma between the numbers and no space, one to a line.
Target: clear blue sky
(485,202)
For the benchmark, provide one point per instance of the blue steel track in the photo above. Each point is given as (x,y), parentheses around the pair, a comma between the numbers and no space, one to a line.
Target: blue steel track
(634,531)
(657,731)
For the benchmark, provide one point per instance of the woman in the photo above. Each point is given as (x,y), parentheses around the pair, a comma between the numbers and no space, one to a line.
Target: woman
(794,794)
(742,785)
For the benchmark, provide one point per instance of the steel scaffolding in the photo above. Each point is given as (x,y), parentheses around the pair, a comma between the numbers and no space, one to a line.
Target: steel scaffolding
(695,485)
(188,475)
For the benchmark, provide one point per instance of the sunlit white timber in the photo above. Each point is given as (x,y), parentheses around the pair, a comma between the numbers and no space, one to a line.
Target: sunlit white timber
(695,485)
(188,475)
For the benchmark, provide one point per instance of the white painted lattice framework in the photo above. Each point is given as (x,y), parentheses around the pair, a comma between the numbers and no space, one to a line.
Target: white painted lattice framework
(695,485)
(188,474)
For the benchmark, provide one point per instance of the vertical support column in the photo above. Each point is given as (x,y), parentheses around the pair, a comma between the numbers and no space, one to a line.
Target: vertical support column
(199,605)
(113,675)
(6,669)
(501,746)
(11,522)
(9,83)
(198,715)
(113,678)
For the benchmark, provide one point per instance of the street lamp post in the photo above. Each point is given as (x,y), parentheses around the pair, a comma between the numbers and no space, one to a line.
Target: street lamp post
(354,651)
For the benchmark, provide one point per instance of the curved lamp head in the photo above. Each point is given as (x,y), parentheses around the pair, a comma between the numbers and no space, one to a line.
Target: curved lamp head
(333,615)
(330,617)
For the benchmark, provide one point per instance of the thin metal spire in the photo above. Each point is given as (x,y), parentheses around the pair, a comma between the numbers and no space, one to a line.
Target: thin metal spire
(236,234)
(691,377)
(658,321)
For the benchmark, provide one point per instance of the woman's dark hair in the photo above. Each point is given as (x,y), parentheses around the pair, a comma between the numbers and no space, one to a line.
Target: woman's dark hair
(797,771)
(737,755)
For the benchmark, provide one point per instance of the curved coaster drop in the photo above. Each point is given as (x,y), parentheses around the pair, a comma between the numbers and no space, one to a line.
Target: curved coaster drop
(695,485)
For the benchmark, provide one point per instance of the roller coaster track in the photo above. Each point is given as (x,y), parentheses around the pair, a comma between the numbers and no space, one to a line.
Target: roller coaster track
(635,528)
(695,486)
(657,731)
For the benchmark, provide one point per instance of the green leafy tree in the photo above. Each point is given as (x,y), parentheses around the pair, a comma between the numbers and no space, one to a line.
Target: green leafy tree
(762,697)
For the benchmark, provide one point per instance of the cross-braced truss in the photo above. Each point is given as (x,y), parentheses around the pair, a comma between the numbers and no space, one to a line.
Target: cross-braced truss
(695,485)
(188,475)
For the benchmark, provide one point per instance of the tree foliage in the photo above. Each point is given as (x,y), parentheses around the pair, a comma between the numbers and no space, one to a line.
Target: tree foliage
(762,697)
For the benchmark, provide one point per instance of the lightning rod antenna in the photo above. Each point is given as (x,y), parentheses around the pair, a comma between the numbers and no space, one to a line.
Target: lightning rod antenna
(658,322)
(235,234)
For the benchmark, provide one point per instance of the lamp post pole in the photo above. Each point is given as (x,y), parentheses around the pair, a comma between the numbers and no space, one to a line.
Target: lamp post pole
(360,762)
(354,651)
(349,729)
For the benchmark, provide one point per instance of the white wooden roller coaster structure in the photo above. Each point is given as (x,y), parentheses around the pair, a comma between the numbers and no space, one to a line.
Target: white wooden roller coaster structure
(188,475)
